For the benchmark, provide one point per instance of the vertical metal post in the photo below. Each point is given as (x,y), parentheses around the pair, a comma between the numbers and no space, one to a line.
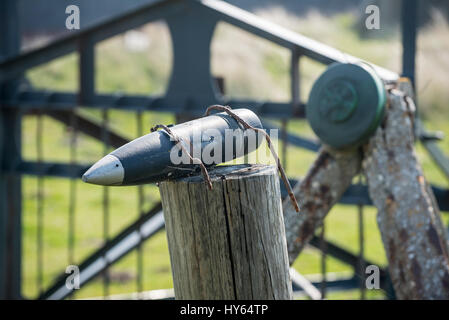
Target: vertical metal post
(140,200)
(86,71)
(284,133)
(409,29)
(73,193)
(105,139)
(294,78)
(295,96)
(10,155)
(323,248)
(40,208)
(361,264)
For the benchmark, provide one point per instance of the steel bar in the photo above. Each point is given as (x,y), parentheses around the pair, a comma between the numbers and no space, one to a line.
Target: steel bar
(105,204)
(140,202)
(40,208)
(409,23)
(10,155)
(46,100)
(86,69)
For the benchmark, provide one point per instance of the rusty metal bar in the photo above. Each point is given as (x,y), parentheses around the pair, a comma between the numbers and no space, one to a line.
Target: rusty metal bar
(105,138)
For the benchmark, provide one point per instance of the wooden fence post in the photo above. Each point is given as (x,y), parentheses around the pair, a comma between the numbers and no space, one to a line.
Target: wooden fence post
(228,242)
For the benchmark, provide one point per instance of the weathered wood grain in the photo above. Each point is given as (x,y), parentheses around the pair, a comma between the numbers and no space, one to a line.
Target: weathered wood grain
(326,181)
(228,242)
(409,220)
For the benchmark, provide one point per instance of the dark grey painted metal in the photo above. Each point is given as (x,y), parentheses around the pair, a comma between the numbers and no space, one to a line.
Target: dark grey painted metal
(409,30)
(51,169)
(217,10)
(87,127)
(295,82)
(33,99)
(86,70)
(191,84)
(10,154)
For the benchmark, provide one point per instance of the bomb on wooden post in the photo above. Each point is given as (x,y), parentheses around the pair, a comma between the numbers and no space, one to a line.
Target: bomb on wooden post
(149,159)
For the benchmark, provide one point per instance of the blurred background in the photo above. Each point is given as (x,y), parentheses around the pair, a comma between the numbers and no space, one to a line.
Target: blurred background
(140,62)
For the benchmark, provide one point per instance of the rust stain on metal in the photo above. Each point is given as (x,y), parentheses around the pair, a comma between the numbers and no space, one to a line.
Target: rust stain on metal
(401,273)
(310,206)
(306,230)
(321,162)
(445,281)
(324,189)
(434,238)
(421,180)
(416,270)
(391,204)
(403,235)
(391,251)
(390,154)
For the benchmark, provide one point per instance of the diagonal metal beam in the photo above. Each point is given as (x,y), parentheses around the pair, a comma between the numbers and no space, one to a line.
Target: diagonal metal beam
(88,127)
(282,36)
(437,155)
(145,227)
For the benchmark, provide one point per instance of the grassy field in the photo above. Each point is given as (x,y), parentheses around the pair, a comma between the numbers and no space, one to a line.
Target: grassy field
(251,68)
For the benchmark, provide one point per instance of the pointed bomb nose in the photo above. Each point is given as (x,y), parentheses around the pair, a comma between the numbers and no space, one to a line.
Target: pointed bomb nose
(108,171)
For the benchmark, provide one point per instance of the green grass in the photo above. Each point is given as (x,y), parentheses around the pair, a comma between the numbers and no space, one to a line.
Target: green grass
(254,68)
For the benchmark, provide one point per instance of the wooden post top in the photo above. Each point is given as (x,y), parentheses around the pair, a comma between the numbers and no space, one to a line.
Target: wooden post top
(229,172)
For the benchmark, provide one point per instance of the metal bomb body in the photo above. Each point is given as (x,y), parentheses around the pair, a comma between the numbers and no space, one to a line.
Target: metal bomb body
(149,158)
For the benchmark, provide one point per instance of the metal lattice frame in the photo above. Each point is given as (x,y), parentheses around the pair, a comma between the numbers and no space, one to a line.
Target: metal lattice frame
(184,96)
